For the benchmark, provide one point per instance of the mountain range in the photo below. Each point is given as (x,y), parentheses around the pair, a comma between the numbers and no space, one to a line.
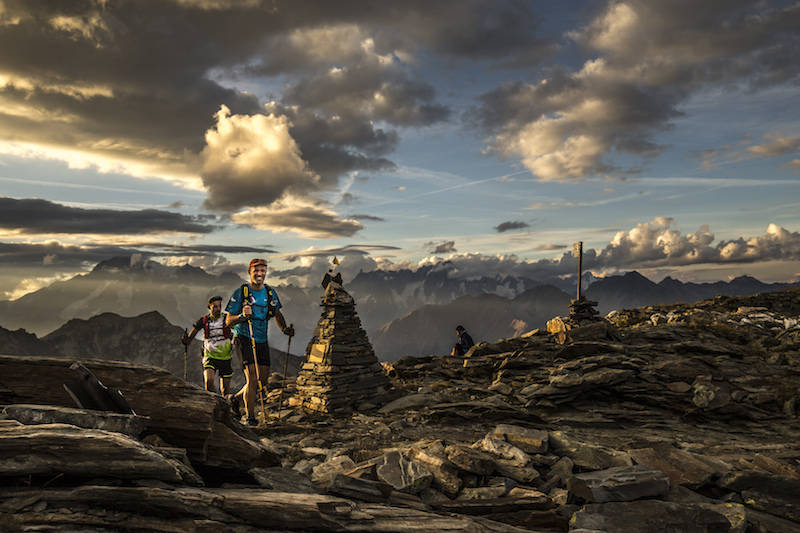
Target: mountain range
(403,311)
(146,339)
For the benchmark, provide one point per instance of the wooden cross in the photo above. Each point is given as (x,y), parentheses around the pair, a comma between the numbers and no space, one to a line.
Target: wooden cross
(577,251)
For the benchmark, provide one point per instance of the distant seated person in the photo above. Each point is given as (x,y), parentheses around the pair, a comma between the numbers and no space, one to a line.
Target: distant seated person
(464,342)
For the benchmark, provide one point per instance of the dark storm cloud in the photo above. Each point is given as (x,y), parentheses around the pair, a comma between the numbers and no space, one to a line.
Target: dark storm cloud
(42,216)
(511,225)
(370,218)
(135,82)
(442,248)
(647,58)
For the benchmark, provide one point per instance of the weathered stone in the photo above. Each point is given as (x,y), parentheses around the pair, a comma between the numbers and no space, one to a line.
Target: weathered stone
(586,455)
(619,484)
(647,516)
(767,493)
(523,474)
(506,451)
(50,449)
(323,473)
(517,499)
(410,401)
(283,480)
(528,440)
(470,460)
(682,467)
(131,425)
(402,474)
(432,455)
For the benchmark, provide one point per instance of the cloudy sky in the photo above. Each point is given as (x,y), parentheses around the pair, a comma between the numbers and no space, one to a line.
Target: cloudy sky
(493,134)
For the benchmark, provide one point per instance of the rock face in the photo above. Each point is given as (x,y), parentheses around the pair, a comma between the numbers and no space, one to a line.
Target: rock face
(340,369)
(682,423)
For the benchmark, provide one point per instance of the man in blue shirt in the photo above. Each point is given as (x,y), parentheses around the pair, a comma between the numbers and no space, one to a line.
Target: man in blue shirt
(248,312)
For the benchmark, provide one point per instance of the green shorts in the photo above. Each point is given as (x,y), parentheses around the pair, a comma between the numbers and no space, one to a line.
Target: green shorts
(223,366)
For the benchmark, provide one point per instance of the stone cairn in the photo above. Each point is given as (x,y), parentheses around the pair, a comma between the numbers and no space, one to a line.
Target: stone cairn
(582,312)
(340,370)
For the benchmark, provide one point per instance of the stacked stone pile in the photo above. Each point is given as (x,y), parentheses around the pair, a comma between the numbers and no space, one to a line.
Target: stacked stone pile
(582,311)
(582,314)
(340,370)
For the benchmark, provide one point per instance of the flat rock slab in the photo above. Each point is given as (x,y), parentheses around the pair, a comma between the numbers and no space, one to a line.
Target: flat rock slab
(411,401)
(517,499)
(96,508)
(528,440)
(619,484)
(283,480)
(471,460)
(131,425)
(649,516)
(682,467)
(50,449)
(769,493)
(587,455)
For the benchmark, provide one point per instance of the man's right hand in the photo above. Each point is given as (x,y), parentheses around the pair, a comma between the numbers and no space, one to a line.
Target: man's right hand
(247,312)
(185,339)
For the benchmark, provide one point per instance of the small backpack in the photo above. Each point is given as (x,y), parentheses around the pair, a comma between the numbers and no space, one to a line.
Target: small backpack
(270,308)
(226,331)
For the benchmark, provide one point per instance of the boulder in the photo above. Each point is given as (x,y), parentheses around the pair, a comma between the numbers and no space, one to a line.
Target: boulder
(619,484)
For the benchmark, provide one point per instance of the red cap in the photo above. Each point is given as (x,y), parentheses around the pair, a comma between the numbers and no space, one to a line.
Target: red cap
(256,262)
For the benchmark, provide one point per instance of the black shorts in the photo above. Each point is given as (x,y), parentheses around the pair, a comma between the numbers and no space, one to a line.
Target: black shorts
(223,366)
(244,349)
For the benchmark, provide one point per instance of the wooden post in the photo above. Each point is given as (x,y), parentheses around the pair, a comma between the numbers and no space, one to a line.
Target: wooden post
(577,251)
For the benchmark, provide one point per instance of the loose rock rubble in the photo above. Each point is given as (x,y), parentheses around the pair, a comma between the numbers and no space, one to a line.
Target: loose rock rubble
(683,424)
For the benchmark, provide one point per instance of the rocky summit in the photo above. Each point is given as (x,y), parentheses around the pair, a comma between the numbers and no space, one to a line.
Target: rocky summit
(675,418)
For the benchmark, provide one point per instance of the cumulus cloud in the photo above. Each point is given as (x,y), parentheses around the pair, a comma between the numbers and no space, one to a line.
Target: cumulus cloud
(647,58)
(251,160)
(653,244)
(349,74)
(442,248)
(511,225)
(41,216)
(776,145)
(307,220)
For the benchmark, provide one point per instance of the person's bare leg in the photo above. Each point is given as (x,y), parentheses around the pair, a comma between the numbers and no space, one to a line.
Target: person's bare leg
(250,391)
(224,386)
(208,374)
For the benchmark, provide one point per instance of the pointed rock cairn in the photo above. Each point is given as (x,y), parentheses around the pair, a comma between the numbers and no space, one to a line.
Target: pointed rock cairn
(340,369)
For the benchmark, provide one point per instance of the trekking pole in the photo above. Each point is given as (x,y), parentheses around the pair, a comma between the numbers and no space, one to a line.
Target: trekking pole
(258,373)
(185,357)
(285,367)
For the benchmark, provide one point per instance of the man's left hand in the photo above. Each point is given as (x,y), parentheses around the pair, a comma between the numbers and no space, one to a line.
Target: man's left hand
(289,330)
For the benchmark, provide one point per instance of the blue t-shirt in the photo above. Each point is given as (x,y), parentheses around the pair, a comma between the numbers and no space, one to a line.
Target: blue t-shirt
(261,311)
